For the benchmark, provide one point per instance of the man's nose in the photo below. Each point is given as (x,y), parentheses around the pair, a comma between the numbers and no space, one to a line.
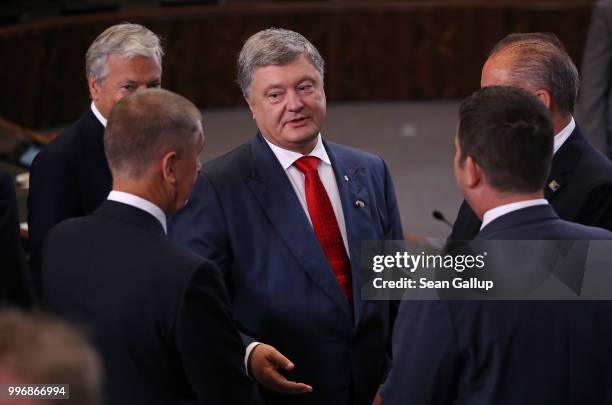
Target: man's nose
(294,101)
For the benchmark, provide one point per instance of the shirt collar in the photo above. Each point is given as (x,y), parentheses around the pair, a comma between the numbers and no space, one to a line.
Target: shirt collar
(140,203)
(287,157)
(98,115)
(497,212)
(562,136)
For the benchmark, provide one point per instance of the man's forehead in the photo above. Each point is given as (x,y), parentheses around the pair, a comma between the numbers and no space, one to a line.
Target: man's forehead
(496,70)
(136,68)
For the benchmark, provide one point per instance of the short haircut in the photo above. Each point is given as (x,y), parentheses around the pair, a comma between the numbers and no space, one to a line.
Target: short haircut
(509,134)
(125,40)
(540,61)
(142,127)
(273,46)
(37,349)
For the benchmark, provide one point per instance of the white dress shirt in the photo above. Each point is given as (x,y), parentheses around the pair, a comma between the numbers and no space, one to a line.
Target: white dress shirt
(286,158)
(98,115)
(562,136)
(497,212)
(140,203)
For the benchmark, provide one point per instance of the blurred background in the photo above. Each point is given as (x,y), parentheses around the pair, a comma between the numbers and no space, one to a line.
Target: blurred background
(395,72)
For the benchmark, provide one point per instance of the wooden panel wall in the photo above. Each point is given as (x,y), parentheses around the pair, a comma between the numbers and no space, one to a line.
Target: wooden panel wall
(382,50)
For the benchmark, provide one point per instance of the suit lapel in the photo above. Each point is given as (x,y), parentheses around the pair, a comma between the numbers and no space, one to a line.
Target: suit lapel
(356,207)
(563,163)
(274,193)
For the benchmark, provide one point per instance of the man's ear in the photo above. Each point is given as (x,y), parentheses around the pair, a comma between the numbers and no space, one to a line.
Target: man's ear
(544,97)
(169,166)
(474,175)
(94,86)
(251,106)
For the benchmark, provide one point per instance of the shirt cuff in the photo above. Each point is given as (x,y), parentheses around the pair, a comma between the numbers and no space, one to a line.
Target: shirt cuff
(249,349)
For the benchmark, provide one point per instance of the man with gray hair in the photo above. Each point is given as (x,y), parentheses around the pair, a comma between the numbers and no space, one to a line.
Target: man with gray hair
(283,216)
(159,314)
(70,178)
(579,186)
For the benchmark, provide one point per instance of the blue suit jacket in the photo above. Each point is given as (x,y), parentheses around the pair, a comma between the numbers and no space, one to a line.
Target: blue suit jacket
(244,215)
(505,352)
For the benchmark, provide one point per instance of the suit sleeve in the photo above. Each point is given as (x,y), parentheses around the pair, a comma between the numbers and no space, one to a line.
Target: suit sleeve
(53,198)
(209,343)
(15,283)
(427,362)
(594,109)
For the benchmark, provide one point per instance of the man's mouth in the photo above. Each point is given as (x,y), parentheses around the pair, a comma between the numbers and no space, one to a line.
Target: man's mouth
(296,122)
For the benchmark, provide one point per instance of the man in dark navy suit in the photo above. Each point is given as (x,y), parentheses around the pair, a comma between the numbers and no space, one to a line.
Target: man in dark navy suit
(70,178)
(284,216)
(504,352)
(159,314)
(579,186)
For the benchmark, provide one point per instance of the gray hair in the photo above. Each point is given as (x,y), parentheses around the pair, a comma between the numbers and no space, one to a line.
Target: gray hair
(143,126)
(126,40)
(540,61)
(273,46)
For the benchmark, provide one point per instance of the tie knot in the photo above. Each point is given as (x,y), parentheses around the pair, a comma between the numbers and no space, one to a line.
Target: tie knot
(307,164)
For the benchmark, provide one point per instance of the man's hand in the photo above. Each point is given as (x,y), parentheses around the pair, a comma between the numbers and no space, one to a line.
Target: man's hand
(264,363)
(377,399)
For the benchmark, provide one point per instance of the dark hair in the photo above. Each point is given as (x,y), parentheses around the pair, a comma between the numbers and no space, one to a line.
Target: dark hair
(143,126)
(540,61)
(509,134)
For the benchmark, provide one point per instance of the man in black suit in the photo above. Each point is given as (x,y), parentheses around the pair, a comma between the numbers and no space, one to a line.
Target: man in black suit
(579,186)
(70,178)
(15,282)
(504,352)
(159,314)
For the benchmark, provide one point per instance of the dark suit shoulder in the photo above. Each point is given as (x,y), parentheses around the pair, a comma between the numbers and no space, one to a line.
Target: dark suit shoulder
(71,139)
(233,162)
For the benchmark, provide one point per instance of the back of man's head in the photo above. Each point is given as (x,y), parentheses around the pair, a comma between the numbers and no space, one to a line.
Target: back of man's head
(540,61)
(35,349)
(144,126)
(508,133)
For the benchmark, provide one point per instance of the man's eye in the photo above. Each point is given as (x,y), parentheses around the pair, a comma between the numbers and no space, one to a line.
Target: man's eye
(274,96)
(128,87)
(305,87)
(155,85)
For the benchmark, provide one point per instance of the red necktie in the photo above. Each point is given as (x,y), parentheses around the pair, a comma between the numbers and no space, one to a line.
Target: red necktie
(324,223)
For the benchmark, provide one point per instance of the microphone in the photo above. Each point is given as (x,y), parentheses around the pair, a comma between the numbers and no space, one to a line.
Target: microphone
(440,217)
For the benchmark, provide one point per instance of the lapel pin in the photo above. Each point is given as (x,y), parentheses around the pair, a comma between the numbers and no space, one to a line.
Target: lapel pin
(346,178)
(553,185)
(359,204)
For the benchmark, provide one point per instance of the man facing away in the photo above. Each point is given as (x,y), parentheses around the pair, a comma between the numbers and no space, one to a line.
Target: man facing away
(504,352)
(70,178)
(283,216)
(579,186)
(158,313)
